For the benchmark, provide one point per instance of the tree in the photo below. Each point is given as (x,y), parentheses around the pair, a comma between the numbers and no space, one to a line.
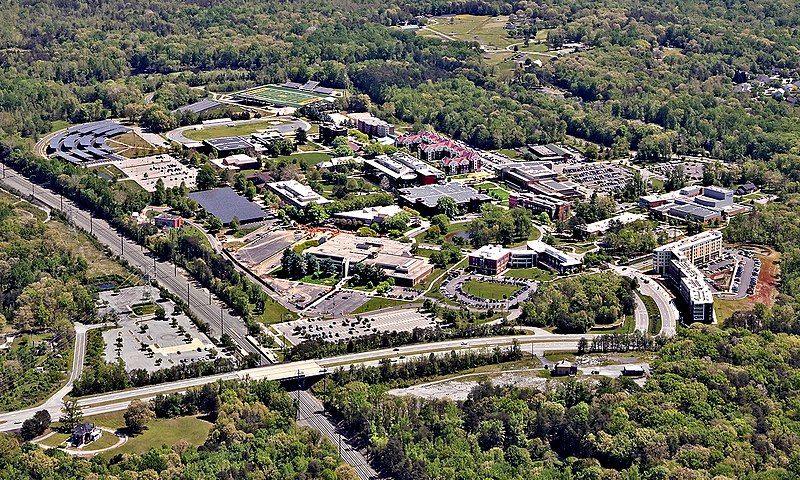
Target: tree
(206,177)
(235,225)
(300,136)
(448,207)
(442,221)
(33,427)
(214,223)
(71,415)
(137,415)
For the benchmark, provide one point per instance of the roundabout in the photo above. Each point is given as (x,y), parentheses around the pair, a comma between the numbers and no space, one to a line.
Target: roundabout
(483,292)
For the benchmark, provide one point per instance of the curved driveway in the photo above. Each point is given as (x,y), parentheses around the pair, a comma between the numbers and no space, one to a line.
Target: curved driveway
(650,287)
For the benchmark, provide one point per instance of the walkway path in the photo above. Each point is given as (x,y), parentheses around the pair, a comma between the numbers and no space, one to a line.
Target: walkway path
(122,439)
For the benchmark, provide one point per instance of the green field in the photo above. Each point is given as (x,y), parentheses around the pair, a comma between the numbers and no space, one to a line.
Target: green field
(310,159)
(281,96)
(161,431)
(490,290)
(217,131)
(530,273)
(377,303)
(485,30)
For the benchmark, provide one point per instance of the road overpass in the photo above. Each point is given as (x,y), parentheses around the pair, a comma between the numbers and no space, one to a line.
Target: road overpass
(119,400)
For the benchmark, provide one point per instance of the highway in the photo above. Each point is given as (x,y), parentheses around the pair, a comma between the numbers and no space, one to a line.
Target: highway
(115,401)
(204,304)
(311,413)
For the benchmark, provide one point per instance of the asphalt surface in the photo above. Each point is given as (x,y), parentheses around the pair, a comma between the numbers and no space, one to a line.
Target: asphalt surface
(205,305)
(537,344)
(311,412)
(640,315)
(650,287)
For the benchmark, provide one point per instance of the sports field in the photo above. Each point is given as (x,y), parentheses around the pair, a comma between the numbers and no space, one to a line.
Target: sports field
(281,96)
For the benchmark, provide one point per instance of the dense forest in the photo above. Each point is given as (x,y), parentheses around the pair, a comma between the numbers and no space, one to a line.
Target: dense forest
(720,404)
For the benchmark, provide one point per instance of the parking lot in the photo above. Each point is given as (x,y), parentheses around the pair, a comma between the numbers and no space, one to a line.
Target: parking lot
(599,177)
(734,275)
(298,294)
(142,340)
(339,304)
(453,289)
(402,320)
(268,245)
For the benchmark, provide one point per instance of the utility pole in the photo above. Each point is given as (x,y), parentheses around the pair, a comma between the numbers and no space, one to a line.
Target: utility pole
(91,223)
(121,245)
(221,320)
(62,202)
(188,298)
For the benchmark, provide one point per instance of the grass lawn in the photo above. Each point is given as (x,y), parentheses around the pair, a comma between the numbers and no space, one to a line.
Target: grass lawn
(376,303)
(309,159)
(653,314)
(304,245)
(143,309)
(726,308)
(225,130)
(169,431)
(475,28)
(494,291)
(530,273)
(274,312)
(107,440)
(509,152)
(327,281)
(55,439)
(628,324)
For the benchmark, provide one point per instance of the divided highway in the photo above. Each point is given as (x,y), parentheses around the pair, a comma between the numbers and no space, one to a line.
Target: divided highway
(537,344)
(204,304)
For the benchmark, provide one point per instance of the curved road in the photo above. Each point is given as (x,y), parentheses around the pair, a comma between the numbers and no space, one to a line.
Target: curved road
(664,301)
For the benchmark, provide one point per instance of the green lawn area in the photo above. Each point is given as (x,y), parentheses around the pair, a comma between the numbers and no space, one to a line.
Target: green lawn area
(159,432)
(274,312)
(491,290)
(474,28)
(627,327)
(327,281)
(530,273)
(107,440)
(55,439)
(304,245)
(226,130)
(143,309)
(653,314)
(376,303)
(509,152)
(726,308)
(309,159)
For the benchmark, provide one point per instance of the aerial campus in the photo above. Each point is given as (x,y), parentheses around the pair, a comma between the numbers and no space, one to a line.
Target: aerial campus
(296,271)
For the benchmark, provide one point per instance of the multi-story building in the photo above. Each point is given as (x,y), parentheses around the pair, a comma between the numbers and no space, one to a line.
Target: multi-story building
(555,208)
(295,193)
(401,170)
(495,259)
(678,261)
(455,157)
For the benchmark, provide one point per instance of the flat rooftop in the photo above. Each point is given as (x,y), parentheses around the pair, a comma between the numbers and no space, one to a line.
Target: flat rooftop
(428,195)
(224,203)
(228,143)
(297,193)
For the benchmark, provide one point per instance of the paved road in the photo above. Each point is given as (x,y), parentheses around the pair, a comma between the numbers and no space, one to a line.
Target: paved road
(537,344)
(640,315)
(206,306)
(650,287)
(311,413)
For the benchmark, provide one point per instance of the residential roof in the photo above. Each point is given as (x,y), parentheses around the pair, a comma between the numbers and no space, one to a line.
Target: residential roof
(224,203)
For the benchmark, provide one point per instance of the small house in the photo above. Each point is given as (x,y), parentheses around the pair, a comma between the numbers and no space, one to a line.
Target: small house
(84,434)
(564,368)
